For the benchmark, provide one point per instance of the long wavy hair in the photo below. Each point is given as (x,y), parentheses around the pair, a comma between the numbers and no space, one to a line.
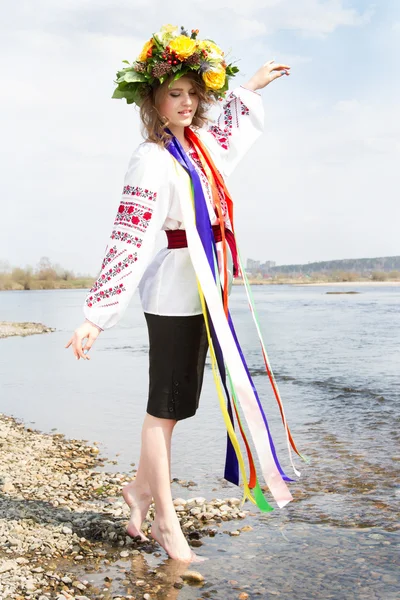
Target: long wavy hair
(153,127)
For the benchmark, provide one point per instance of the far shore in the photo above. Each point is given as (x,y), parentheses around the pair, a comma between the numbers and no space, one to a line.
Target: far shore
(352,283)
(318,283)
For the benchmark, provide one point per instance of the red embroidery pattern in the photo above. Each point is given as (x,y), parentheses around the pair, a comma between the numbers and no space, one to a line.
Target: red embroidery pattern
(199,167)
(134,190)
(113,272)
(111,254)
(123,236)
(222,134)
(112,291)
(131,214)
(244,110)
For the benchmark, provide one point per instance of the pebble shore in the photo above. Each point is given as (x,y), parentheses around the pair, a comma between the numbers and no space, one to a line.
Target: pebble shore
(62,517)
(9,329)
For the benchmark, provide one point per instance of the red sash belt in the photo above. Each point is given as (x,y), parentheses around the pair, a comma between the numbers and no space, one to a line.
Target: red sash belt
(177,239)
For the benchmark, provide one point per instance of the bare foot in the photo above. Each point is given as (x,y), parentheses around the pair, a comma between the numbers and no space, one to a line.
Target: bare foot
(139,503)
(171,538)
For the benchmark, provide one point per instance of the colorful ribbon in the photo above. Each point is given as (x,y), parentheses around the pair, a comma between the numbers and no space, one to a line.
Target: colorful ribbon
(224,346)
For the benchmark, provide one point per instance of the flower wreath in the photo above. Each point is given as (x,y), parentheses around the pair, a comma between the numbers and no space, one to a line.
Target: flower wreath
(170,52)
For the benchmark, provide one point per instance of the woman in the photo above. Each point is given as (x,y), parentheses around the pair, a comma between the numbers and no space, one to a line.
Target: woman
(174,80)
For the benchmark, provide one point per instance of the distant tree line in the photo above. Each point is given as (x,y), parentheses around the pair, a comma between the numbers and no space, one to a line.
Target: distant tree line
(375,269)
(45,276)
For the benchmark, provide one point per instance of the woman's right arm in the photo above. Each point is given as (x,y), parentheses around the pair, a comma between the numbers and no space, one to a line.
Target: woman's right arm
(140,216)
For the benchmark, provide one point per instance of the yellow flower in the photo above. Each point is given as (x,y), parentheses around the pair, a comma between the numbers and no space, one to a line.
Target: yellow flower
(212,49)
(144,53)
(183,46)
(215,79)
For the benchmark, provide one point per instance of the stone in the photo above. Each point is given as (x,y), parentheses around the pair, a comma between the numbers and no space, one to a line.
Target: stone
(234,533)
(8,565)
(192,577)
(8,487)
(124,554)
(180,502)
(195,543)
(243,596)
(67,530)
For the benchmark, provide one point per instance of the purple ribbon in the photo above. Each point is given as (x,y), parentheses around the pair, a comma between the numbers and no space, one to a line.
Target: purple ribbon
(204,228)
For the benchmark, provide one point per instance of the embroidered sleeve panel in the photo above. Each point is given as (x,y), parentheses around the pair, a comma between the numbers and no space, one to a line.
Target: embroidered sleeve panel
(141,213)
(240,123)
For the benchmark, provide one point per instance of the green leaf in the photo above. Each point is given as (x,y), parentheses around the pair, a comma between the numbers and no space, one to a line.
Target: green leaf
(126,62)
(177,76)
(133,77)
(177,68)
(158,44)
(231,70)
(119,94)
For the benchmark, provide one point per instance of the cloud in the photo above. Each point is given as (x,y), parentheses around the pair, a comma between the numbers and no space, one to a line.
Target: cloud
(65,144)
(123,17)
(347,106)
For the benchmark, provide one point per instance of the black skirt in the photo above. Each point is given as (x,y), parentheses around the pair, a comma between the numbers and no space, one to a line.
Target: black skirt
(177,353)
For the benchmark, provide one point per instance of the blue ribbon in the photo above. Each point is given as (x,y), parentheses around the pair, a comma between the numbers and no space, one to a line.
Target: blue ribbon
(204,227)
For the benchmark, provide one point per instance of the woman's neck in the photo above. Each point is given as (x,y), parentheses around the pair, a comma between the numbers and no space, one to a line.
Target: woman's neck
(179,133)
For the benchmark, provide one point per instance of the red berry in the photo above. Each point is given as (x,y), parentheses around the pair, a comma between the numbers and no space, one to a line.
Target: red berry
(170,62)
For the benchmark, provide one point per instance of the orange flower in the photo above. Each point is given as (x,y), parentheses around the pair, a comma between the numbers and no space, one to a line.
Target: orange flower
(148,47)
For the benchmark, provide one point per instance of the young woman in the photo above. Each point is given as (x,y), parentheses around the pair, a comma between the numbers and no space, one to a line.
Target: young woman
(156,196)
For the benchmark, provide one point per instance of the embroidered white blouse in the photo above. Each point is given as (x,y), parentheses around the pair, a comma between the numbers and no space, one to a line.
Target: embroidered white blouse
(150,203)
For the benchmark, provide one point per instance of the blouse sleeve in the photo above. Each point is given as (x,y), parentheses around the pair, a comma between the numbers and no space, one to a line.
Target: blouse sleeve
(237,128)
(140,216)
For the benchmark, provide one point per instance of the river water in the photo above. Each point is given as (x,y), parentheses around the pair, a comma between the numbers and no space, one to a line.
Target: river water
(336,358)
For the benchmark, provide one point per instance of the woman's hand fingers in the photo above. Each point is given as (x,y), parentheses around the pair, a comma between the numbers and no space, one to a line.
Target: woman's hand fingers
(89,343)
(88,332)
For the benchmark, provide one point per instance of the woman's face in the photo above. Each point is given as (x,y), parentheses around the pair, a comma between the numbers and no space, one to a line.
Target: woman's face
(178,103)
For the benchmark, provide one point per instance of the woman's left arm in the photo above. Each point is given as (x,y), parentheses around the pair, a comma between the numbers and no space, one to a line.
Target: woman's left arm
(242,119)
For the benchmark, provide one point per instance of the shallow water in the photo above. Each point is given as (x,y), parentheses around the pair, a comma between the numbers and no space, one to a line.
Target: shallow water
(336,359)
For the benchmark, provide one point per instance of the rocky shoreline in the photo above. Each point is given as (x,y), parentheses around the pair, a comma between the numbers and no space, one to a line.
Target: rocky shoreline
(9,329)
(62,524)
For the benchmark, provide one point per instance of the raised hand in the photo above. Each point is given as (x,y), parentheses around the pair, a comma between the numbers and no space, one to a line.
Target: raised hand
(267,73)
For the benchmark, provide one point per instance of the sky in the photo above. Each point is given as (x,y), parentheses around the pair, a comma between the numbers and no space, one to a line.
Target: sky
(322,183)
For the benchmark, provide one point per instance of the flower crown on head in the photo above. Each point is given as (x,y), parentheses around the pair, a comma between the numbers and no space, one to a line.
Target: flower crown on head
(173,53)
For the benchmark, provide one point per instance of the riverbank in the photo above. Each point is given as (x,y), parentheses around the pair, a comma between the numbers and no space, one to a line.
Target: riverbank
(296,282)
(62,524)
(351,284)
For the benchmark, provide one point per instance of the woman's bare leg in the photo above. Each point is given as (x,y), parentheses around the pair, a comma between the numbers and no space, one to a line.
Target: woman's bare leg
(155,457)
(137,494)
